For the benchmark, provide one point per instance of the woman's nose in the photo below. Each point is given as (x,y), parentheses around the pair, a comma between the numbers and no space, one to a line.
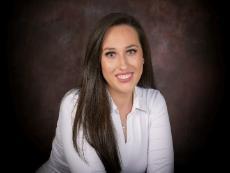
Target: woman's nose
(123,64)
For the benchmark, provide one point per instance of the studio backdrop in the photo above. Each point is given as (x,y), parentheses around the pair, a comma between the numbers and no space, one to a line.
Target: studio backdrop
(46,44)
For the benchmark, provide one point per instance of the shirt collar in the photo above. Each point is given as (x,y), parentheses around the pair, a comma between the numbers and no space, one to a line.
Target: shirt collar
(138,102)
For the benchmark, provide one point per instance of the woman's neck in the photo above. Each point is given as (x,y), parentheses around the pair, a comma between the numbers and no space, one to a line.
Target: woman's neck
(123,101)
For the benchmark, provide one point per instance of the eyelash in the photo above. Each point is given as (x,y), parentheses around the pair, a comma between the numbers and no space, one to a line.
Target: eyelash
(132,51)
(111,53)
(108,54)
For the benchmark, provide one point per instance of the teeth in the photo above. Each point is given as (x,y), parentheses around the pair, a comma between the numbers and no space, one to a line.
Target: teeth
(125,76)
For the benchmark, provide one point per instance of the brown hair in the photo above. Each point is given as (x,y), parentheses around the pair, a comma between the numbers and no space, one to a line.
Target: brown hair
(93,109)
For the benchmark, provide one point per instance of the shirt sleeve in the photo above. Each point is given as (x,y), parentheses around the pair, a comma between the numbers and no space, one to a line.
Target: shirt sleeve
(57,162)
(160,151)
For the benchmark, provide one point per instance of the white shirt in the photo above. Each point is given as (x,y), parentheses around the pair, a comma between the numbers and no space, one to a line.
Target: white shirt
(149,146)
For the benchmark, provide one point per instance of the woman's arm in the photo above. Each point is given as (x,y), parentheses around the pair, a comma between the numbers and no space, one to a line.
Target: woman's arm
(57,162)
(160,151)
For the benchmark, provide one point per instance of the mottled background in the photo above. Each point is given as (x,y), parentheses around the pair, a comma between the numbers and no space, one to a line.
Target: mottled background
(46,42)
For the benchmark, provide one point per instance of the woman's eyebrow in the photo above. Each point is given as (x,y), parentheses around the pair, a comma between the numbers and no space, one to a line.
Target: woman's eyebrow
(132,45)
(111,48)
(108,48)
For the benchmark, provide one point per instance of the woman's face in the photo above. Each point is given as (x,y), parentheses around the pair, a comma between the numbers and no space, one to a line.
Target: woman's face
(121,59)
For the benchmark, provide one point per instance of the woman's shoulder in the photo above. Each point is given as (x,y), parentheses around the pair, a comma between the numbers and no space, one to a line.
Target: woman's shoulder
(68,105)
(72,93)
(70,98)
(150,93)
(152,97)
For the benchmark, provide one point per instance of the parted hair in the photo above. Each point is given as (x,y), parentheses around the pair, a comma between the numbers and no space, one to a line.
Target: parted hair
(93,108)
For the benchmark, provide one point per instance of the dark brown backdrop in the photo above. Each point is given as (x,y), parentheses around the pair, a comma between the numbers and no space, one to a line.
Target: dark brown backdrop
(46,41)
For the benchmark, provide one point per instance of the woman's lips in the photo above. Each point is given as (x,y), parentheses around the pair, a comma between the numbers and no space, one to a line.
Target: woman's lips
(124,77)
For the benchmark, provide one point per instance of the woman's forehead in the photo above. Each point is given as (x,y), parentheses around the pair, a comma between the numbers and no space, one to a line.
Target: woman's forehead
(120,36)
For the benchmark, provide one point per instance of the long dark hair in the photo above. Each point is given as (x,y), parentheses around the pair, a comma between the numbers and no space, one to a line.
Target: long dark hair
(93,107)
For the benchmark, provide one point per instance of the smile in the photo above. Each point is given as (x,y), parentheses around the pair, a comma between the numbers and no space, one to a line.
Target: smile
(126,77)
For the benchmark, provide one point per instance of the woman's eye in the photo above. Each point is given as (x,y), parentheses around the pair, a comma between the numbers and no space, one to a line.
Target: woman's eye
(110,54)
(131,51)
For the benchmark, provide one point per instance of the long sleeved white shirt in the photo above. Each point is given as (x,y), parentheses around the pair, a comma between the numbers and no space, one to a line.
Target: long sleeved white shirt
(149,146)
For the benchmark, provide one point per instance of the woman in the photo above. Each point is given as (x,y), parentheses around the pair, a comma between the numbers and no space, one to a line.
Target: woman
(115,122)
